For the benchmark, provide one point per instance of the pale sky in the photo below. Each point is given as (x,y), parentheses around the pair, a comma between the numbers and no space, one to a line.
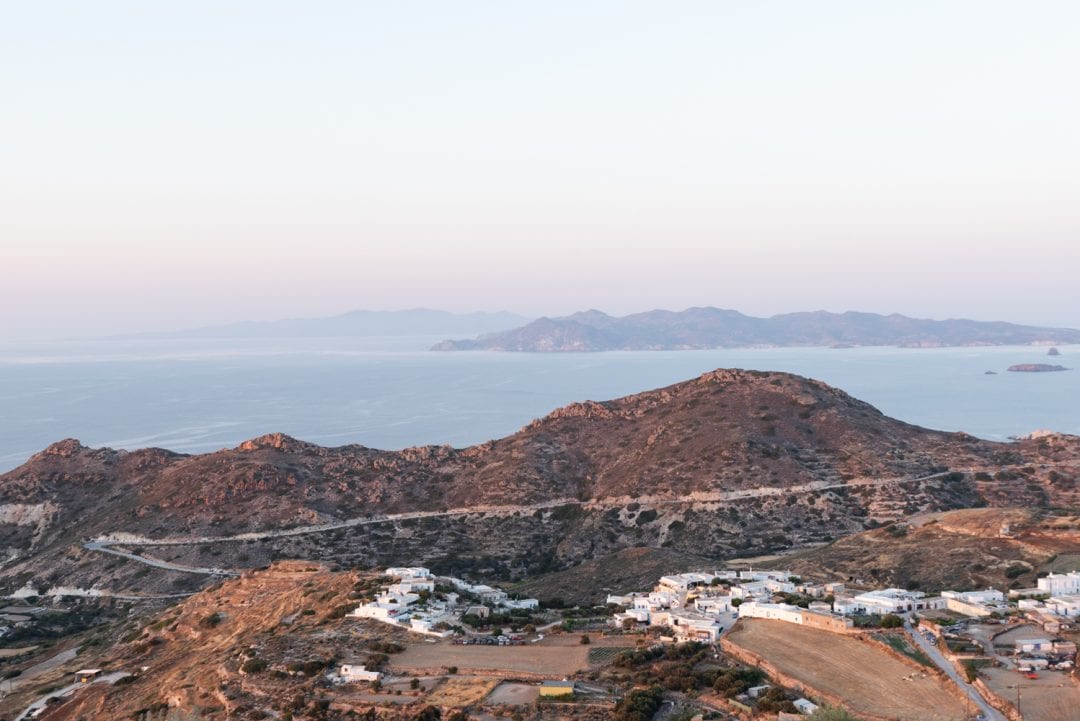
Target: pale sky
(173,164)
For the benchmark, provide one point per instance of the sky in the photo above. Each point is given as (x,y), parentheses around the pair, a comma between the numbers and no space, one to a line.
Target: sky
(174,164)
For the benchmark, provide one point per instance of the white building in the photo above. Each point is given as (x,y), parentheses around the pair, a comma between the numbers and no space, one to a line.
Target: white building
(1034,645)
(750,589)
(713,604)
(1064,605)
(683,582)
(637,615)
(779,586)
(656,601)
(773,611)
(805,706)
(377,611)
(411,585)
(359,673)
(889,600)
(1060,584)
(408,572)
(526,603)
(688,625)
(977,604)
(989,597)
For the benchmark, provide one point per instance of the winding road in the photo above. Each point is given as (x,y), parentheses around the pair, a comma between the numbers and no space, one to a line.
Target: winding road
(42,701)
(972,693)
(106,543)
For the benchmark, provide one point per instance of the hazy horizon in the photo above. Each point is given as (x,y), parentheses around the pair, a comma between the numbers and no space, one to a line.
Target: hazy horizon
(178,166)
(152,333)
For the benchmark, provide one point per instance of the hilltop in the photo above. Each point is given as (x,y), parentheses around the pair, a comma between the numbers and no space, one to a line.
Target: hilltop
(731,463)
(703,328)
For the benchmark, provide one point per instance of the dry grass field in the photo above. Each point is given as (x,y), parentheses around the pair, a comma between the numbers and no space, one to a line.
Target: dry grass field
(545,660)
(870,679)
(461,691)
(1051,697)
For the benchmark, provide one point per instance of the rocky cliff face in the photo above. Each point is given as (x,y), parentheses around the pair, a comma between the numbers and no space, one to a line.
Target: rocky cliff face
(732,462)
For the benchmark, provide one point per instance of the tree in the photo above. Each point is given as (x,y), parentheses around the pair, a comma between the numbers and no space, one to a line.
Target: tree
(414,684)
(891,620)
(429,713)
(585,639)
(640,704)
(736,602)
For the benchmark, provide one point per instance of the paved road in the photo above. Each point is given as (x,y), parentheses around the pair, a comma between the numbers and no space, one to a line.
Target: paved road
(931,650)
(65,691)
(105,547)
(37,669)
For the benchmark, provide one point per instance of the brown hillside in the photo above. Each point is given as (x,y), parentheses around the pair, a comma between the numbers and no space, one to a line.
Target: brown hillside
(648,470)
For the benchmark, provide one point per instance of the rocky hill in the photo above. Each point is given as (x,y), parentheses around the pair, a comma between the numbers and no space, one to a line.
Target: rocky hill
(700,328)
(963,549)
(730,463)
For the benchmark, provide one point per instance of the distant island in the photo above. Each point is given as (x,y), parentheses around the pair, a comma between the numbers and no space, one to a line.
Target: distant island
(1036,368)
(357,323)
(705,328)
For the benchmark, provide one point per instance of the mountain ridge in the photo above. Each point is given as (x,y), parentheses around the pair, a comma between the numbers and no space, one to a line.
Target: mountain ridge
(701,328)
(727,463)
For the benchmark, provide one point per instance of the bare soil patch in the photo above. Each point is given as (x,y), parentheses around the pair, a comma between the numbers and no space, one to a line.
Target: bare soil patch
(870,679)
(1050,697)
(514,694)
(533,659)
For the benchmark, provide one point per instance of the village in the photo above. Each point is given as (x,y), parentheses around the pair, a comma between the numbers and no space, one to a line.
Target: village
(737,643)
(978,654)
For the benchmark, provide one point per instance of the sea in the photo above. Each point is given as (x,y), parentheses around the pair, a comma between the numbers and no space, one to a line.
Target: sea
(202,395)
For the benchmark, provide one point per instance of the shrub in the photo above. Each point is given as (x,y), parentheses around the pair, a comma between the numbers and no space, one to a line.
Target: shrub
(639,704)
(254,665)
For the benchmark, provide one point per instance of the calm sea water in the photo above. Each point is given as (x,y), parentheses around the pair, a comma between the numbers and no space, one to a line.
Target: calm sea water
(390,393)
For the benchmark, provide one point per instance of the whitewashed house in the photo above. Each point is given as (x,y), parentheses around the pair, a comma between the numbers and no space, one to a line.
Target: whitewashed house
(358,673)
(1060,584)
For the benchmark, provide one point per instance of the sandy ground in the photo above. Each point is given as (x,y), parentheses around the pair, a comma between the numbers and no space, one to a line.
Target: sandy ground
(870,679)
(547,660)
(514,694)
(1051,697)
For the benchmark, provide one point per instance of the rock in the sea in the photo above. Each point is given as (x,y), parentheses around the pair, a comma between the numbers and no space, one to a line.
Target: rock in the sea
(990,373)
(1053,351)
(1036,368)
